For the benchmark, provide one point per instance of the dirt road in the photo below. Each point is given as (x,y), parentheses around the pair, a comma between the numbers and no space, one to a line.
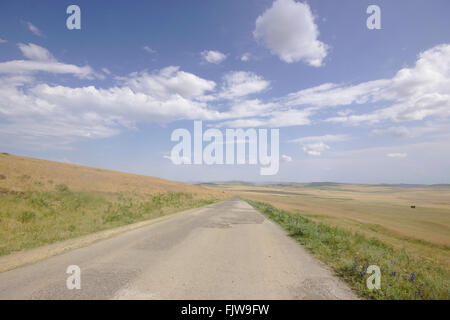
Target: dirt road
(223,251)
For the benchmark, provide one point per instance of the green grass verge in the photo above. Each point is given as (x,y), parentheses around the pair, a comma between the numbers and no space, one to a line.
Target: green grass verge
(349,254)
(32,219)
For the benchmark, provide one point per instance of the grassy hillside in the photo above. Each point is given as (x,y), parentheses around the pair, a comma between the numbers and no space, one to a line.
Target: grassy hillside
(43,201)
(28,174)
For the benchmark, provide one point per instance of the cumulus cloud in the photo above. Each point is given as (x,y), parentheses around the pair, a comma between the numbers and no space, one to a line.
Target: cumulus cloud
(45,112)
(56,115)
(414,93)
(32,108)
(289,31)
(31,120)
(3,40)
(130,102)
(213,56)
(168,82)
(165,95)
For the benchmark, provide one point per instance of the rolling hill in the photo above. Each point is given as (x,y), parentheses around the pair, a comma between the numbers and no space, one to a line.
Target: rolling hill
(43,202)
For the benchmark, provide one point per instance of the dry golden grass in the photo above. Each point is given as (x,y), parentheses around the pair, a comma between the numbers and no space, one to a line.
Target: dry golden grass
(29,174)
(43,202)
(383,212)
(349,254)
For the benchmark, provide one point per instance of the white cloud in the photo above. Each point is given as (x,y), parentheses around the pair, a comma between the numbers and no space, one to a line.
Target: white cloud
(315,145)
(35,52)
(273,119)
(148,49)
(315,149)
(242,83)
(242,123)
(170,94)
(324,138)
(42,61)
(289,31)
(168,82)
(252,108)
(415,93)
(397,155)
(56,115)
(24,67)
(287,118)
(245,57)
(106,70)
(286,158)
(345,112)
(3,40)
(410,132)
(213,56)
(332,95)
(34,30)
(125,103)
(395,132)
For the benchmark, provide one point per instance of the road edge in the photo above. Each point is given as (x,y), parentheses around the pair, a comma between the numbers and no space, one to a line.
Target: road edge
(30,256)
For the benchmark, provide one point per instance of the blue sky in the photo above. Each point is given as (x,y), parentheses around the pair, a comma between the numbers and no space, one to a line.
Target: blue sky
(352,104)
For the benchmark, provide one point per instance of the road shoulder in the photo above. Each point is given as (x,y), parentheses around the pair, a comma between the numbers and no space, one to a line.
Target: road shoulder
(21,258)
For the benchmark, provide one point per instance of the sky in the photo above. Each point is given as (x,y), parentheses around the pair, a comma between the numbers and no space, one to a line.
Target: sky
(352,104)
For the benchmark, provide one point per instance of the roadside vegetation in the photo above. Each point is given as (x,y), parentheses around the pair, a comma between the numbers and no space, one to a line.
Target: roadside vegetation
(33,218)
(414,219)
(43,202)
(350,253)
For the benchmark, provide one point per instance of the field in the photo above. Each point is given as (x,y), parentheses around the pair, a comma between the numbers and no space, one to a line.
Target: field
(382,213)
(43,202)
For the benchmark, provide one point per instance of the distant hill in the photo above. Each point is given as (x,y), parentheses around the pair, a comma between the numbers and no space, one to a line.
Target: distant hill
(316,184)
